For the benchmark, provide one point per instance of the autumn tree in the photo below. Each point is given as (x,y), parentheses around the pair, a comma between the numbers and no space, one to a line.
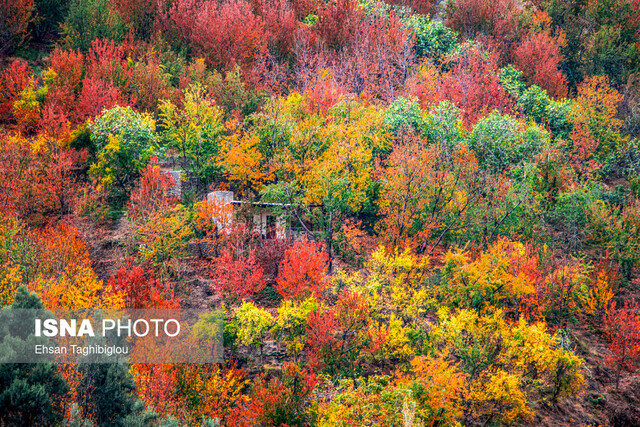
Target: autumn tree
(153,192)
(15,17)
(282,400)
(473,83)
(13,80)
(302,272)
(322,170)
(600,38)
(40,185)
(595,107)
(336,336)
(495,22)
(65,277)
(539,58)
(622,328)
(87,21)
(193,130)
(253,323)
(236,276)
(142,289)
(125,141)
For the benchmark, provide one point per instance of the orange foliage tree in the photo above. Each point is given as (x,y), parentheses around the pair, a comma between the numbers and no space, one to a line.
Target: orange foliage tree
(596,107)
(65,277)
(38,177)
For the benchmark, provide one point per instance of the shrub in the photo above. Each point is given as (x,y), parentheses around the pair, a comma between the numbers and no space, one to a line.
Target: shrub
(13,80)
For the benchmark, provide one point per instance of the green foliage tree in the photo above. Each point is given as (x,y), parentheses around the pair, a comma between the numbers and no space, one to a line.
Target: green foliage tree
(194,130)
(125,140)
(404,116)
(107,393)
(30,394)
(501,142)
(88,20)
(432,39)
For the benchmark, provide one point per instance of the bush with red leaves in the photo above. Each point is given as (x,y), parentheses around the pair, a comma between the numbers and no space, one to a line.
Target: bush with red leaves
(280,402)
(335,337)
(229,34)
(152,192)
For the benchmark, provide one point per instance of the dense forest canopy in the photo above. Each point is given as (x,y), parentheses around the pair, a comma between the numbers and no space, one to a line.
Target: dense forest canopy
(408,213)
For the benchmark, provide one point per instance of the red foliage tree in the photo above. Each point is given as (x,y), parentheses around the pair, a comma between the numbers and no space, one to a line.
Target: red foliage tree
(142,289)
(236,277)
(270,254)
(96,95)
(322,344)
(69,67)
(538,57)
(65,85)
(280,402)
(492,20)
(15,16)
(376,60)
(622,328)
(150,84)
(152,192)
(13,80)
(324,93)
(229,34)
(474,85)
(302,271)
(335,337)
(280,26)
(584,146)
(55,124)
(338,21)
(178,18)
(107,61)
(156,386)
